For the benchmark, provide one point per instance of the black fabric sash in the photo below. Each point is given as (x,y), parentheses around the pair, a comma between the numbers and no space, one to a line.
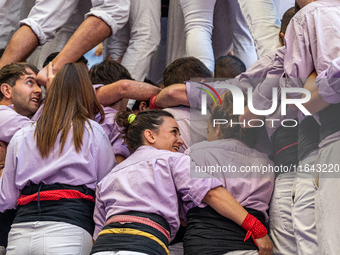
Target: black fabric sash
(209,233)
(78,212)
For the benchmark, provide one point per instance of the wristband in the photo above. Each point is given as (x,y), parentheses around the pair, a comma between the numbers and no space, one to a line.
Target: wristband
(152,104)
(254,228)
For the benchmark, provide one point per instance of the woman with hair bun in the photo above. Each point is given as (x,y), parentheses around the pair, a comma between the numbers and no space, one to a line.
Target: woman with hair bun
(229,146)
(138,202)
(52,168)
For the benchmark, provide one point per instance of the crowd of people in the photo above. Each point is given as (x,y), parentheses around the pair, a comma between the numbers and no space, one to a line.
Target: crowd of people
(233,152)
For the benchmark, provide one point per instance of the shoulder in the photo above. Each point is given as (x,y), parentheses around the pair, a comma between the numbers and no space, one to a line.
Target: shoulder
(95,130)
(225,147)
(8,112)
(26,132)
(150,156)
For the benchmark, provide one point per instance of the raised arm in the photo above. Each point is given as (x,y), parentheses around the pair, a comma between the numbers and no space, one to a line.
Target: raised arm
(173,95)
(113,92)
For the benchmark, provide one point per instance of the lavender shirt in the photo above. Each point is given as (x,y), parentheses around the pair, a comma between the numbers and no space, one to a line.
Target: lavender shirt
(24,164)
(151,181)
(312,41)
(253,190)
(10,122)
(328,83)
(112,129)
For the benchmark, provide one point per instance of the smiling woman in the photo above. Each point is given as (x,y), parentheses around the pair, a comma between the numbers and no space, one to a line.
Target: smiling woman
(138,203)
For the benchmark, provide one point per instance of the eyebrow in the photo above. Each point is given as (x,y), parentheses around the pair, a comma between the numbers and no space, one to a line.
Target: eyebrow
(177,130)
(29,77)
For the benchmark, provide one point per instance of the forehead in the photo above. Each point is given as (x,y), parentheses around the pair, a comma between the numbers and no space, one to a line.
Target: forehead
(30,73)
(169,122)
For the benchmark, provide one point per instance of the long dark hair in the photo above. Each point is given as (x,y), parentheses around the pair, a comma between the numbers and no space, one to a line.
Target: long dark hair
(70,101)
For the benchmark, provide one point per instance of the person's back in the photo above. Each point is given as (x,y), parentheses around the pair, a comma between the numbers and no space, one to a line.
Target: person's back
(54,166)
(228,155)
(137,188)
(312,40)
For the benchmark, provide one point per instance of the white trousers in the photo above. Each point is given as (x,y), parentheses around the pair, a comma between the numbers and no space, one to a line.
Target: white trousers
(138,40)
(199,14)
(280,216)
(303,208)
(9,19)
(48,237)
(264,24)
(327,199)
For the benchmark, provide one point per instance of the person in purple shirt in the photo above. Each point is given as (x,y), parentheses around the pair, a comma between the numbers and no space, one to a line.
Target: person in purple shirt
(228,145)
(20,97)
(138,202)
(108,76)
(52,169)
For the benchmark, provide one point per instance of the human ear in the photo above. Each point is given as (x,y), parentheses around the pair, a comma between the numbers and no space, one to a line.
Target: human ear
(149,137)
(142,106)
(6,90)
(282,35)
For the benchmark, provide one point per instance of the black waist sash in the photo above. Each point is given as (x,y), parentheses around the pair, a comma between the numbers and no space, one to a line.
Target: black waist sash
(75,211)
(285,145)
(137,243)
(6,220)
(209,233)
(329,120)
(309,137)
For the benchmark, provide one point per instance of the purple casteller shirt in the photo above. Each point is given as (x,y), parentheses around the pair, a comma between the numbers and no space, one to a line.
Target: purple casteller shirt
(11,122)
(328,83)
(24,164)
(112,129)
(151,181)
(250,189)
(312,42)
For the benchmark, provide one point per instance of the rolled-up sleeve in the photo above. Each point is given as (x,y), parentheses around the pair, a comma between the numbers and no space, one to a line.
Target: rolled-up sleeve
(114,13)
(191,190)
(46,17)
(328,83)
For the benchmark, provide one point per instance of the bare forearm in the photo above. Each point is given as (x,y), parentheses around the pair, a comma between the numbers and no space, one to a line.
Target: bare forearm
(111,93)
(173,95)
(226,205)
(20,47)
(89,34)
